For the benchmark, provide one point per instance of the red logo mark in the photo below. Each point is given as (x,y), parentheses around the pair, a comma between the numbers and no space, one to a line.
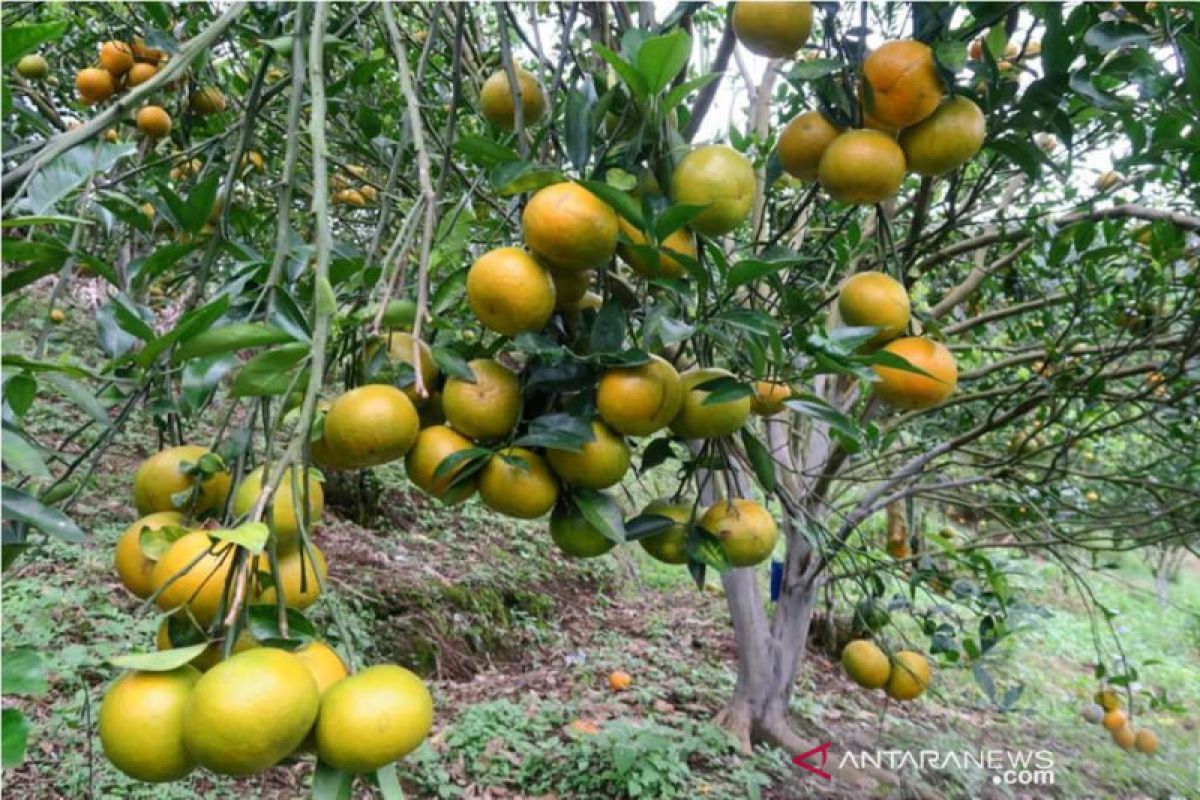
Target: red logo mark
(801,760)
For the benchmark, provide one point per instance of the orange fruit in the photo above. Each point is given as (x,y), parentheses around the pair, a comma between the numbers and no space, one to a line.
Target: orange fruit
(286,506)
(696,420)
(510,292)
(862,166)
(300,576)
(569,287)
(489,407)
(371,425)
(154,122)
(570,227)
(324,663)
(141,724)
(866,664)
(669,545)
(599,464)
(1124,737)
(874,300)
(133,568)
(57,316)
(143,53)
(140,73)
(619,681)
(496,99)
(1146,741)
(680,242)
(902,84)
(638,401)
(910,390)
(526,491)
(349,197)
(434,445)
(200,585)
(946,139)
(207,100)
(116,58)
(400,351)
(159,482)
(718,177)
(576,537)
(909,677)
(773,29)
(1108,699)
(768,397)
(803,142)
(94,85)
(1115,719)
(746,530)
(373,718)
(33,67)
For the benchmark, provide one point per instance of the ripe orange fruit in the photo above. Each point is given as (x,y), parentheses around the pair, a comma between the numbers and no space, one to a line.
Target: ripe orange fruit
(250,711)
(288,500)
(696,420)
(1115,719)
(946,139)
(143,53)
(57,316)
(570,227)
(373,718)
(300,576)
(496,99)
(576,537)
(434,445)
(569,287)
(33,67)
(803,142)
(116,58)
(200,585)
(746,530)
(718,177)
(768,398)
(619,681)
(874,300)
(133,568)
(680,242)
(1146,741)
(371,425)
(160,480)
(909,677)
(773,29)
(94,85)
(1108,699)
(638,401)
(141,724)
(324,663)
(208,100)
(349,197)
(866,664)
(909,390)
(669,545)
(489,407)
(139,74)
(599,464)
(368,192)
(154,122)
(862,166)
(1108,180)
(902,84)
(526,492)
(1124,737)
(510,292)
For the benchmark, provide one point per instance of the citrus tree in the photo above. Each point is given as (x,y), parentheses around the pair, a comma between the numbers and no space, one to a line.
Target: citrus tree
(794,266)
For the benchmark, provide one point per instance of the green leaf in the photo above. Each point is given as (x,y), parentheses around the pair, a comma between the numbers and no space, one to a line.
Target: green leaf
(17,40)
(680,92)
(326,299)
(192,324)
(250,535)
(484,151)
(578,122)
(621,202)
(15,736)
(368,122)
(760,460)
(602,513)
(19,392)
(1057,51)
(264,624)
(145,270)
(269,373)
(200,202)
(1081,82)
(518,177)
(675,218)
(454,365)
(1190,46)
(633,79)
(22,455)
(50,219)
(723,389)
(330,784)
(66,172)
(660,58)
(228,338)
(752,269)
(153,542)
(21,507)
(1108,36)
(811,70)
(644,525)
(81,396)
(389,783)
(813,406)
(608,331)
(559,432)
(984,679)
(159,660)
(24,673)
(460,460)
(706,549)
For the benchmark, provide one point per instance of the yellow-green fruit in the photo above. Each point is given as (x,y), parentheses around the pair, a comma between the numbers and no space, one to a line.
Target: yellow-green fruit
(862,166)
(698,421)
(670,545)
(160,478)
(371,719)
(133,568)
(875,300)
(576,537)
(526,490)
(638,401)
(569,287)
(510,292)
(400,351)
(324,663)
(910,676)
(250,711)
(496,99)
(718,177)
(487,408)
(141,724)
(200,585)
(206,101)
(803,142)
(680,242)
(434,445)
(300,581)
(371,425)
(1124,737)
(289,498)
(946,139)
(33,67)
(569,227)
(769,397)
(866,664)
(599,464)
(746,530)
(773,29)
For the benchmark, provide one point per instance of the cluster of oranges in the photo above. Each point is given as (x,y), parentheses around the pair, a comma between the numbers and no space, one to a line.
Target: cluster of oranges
(904,676)
(247,712)
(1107,711)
